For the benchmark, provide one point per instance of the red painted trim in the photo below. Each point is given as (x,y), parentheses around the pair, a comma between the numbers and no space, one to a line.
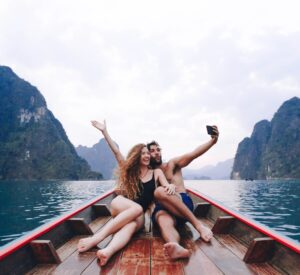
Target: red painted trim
(281,239)
(47,227)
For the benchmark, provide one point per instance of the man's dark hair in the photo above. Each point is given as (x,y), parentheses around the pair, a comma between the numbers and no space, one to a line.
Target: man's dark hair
(153,142)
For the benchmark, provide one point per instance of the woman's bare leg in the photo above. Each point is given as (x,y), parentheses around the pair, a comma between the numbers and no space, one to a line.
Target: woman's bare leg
(119,240)
(124,211)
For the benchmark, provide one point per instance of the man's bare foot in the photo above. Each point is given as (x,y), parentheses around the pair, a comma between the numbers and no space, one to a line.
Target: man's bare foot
(205,233)
(85,244)
(103,255)
(176,251)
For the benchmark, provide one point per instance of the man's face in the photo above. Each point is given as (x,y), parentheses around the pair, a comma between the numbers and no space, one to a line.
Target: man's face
(155,153)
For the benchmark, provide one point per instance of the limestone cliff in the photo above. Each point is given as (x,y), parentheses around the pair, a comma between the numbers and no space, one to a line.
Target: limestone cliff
(33,143)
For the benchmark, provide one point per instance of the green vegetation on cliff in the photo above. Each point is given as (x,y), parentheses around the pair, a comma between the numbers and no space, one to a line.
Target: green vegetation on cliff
(33,144)
(273,150)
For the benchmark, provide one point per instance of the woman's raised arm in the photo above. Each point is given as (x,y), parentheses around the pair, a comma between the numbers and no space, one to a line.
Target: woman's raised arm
(102,127)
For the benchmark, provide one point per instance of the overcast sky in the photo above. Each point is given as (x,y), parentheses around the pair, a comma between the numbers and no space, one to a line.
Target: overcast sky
(156,69)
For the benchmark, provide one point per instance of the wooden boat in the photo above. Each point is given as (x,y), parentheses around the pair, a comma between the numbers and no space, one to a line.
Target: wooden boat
(239,246)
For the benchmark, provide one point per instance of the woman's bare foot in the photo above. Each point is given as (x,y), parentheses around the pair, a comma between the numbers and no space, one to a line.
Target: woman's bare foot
(103,255)
(205,233)
(176,251)
(85,244)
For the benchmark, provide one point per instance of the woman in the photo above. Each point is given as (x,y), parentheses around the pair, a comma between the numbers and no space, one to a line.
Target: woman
(136,185)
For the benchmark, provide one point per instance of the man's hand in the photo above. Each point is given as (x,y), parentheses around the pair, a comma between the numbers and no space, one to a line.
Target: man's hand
(215,136)
(170,189)
(100,126)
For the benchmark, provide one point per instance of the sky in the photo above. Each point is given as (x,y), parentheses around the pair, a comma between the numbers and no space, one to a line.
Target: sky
(158,70)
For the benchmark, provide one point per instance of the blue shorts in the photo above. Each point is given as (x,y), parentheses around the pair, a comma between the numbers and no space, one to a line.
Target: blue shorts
(186,199)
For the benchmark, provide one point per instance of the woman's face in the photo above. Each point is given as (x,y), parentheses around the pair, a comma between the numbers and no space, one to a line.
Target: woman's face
(145,157)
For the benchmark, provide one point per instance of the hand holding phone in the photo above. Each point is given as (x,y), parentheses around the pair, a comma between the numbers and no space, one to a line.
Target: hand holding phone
(210,130)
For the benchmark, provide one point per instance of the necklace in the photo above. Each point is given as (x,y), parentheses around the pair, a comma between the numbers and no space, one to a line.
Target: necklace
(141,177)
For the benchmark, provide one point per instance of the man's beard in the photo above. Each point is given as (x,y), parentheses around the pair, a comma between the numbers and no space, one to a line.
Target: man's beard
(155,163)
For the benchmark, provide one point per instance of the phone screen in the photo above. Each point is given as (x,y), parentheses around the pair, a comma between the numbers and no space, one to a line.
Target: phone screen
(210,130)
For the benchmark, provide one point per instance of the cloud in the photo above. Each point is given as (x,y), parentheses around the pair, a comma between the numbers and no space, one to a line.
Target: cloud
(156,70)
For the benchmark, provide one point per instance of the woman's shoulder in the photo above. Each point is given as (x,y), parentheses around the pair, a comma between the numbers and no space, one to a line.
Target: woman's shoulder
(157,171)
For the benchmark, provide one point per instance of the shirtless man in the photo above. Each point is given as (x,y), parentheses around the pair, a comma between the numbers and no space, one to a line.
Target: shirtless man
(173,211)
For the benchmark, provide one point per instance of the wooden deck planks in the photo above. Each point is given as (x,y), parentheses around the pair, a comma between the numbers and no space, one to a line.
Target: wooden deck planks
(265,269)
(220,255)
(98,223)
(43,269)
(161,264)
(199,263)
(234,245)
(75,264)
(136,257)
(69,248)
(110,268)
(144,255)
(223,258)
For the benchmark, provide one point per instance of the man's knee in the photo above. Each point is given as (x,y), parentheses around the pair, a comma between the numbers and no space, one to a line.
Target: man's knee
(164,220)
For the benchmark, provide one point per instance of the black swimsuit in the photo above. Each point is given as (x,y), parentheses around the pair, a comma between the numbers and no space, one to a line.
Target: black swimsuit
(147,194)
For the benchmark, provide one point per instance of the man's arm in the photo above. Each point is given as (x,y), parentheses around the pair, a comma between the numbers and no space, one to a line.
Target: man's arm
(186,159)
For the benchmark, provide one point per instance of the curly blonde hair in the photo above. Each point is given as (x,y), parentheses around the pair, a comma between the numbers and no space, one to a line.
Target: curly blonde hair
(129,173)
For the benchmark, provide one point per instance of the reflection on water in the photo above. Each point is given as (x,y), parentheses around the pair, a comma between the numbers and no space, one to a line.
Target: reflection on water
(27,205)
(273,203)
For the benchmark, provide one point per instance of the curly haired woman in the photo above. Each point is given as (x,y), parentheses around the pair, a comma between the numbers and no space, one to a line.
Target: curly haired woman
(136,185)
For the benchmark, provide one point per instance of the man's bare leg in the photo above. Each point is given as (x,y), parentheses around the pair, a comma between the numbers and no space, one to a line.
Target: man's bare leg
(119,240)
(171,236)
(176,206)
(123,211)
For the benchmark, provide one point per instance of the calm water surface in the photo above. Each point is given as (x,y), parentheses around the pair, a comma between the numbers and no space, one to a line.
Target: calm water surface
(25,205)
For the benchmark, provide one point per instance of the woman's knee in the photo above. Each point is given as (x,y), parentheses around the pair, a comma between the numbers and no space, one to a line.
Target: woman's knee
(115,205)
(140,221)
(137,209)
(159,192)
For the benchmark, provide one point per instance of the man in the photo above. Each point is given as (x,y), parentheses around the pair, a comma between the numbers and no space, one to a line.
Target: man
(173,211)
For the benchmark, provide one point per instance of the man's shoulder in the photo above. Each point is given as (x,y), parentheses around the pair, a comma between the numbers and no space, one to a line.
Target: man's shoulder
(169,167)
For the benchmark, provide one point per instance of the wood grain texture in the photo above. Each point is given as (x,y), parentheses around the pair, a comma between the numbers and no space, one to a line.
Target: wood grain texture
(42,269)
(201,209)
(199,263)
(136,257)
(223,258)
(223,225)
(79,226)
(98,223)
(101,209)
(260,250)
(160,263)
(69,247)
(44,252)
(266,269)
(110,268)
(75,264)
(233,245)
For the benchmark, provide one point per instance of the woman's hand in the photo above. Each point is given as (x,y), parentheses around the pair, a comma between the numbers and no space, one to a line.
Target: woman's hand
(100,126)
(170,189)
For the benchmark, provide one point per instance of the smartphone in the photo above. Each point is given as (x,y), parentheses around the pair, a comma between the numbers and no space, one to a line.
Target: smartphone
(210,130)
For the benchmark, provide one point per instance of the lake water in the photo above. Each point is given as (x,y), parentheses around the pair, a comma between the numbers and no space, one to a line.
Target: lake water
(25,205)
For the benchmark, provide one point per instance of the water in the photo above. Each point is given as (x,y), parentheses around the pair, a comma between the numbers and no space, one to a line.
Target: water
(273,203)
(26,205)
